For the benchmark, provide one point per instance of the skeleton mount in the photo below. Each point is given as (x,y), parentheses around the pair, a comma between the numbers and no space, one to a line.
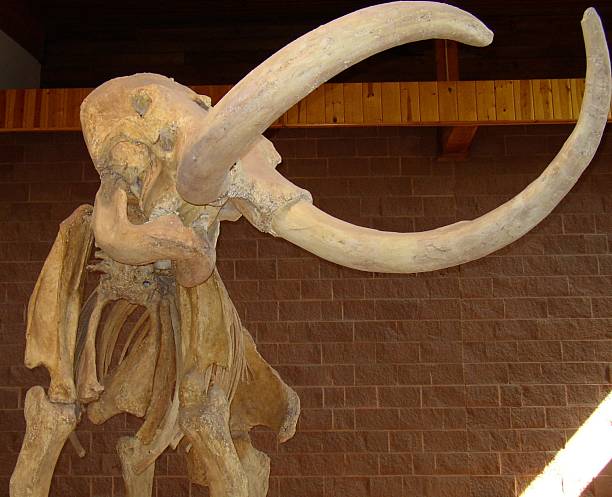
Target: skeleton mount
(158,337)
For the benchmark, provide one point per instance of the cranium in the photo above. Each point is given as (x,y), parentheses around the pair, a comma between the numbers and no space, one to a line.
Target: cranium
(172,167)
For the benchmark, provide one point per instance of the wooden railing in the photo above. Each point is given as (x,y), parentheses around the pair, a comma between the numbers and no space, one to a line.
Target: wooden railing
(441,103)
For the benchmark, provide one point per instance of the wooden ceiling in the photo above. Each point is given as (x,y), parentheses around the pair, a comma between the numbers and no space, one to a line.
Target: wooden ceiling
(205,42)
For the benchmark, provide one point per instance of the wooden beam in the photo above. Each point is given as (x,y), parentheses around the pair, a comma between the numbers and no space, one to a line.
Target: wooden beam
(454,141)
(447,60)
(432,103)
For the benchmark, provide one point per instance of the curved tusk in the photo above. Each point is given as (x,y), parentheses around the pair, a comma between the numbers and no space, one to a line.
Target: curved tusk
(297,69)
(371,250)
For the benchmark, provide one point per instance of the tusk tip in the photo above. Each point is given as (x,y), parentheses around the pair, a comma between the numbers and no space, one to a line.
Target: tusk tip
(590,15)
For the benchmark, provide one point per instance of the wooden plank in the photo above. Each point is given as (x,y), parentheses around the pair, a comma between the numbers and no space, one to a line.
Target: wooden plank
(315,106)
(391,103)
(447,101)
(428,102)
(18,108)
(485,100)
(577,92)
(353,103)
(29,110)
(466,101)
(504,100)
(73,100)
(542,99)
(372,103)
(523,100)
(562,99)
(3,97)
(334,103)
(291,116)
(9,108)
(409,101)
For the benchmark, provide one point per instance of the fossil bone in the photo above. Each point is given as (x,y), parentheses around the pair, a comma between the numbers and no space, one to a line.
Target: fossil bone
(55,305)
(172,168)
(48,426)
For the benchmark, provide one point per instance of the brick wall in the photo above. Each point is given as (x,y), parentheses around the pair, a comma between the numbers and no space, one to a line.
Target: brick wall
(455,383)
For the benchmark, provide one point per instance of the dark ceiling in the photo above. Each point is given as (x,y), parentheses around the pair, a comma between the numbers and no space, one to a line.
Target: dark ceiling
(83,43)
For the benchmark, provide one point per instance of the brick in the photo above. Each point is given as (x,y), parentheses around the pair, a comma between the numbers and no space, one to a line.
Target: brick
(544,395)
(376,374)
(491,486)
(602,307)
(338,487)
(348,289)
(542,440)
(419,419)
(397,353)
(528,417)
(377,419)
(476,374)
(482,396)
(488,417)
(476,287)
(322,331)
(303,487)
(362,310)
(583,395)
(395,309)
(566,417)
(299,353)
(483,463)
(336,147)
(349,353)
(528,286)
(368,147)
(447,352)
(561,264)
(539,351)
(577,307)
(504,440)
(414,374)
(444,396)
(396,288)
(399,396)
(590,285)
(447,374)
(299,310)
(445,441)
(452,464)
(524,463)
(279,290)
(262,269)
(385,486)
(424,463)
(345,167)
(395,464)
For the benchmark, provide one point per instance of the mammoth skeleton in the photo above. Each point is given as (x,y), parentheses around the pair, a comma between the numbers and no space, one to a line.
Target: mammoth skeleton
(172,167)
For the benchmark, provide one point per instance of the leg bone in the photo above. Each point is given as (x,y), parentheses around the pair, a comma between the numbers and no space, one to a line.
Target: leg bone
(48,426)
(204,418)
